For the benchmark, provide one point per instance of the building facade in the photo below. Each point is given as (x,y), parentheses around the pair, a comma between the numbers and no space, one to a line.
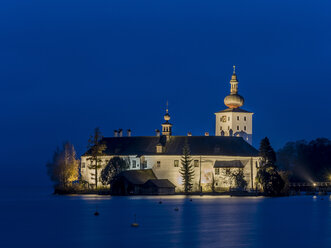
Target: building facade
(214,157)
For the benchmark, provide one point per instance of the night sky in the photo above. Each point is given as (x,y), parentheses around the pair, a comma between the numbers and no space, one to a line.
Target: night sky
(68,66)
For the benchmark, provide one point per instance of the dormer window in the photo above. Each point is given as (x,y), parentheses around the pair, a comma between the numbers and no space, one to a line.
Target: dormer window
(159,148)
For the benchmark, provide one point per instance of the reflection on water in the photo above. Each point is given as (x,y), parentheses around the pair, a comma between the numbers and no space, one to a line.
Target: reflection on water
(36,218)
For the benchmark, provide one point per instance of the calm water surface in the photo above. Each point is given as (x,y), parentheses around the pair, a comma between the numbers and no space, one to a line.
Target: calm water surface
(35,218)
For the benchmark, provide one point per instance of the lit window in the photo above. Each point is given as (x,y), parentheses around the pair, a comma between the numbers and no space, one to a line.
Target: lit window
(83,164)
(245,118)
(196,163)
(158,164)
(217,171)
(237,118)
(134,163)
(237,127)
(176,163)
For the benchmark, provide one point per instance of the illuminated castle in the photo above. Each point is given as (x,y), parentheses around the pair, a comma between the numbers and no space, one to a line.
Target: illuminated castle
(158,157)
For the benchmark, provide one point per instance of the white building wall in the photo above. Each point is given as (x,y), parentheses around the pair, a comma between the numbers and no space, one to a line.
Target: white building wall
(231,122)
(166,169)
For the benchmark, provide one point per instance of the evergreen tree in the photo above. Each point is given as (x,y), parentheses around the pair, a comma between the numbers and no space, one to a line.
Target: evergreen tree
(187,169)
(96,149)
(267,175)
(64,168)
(267,152)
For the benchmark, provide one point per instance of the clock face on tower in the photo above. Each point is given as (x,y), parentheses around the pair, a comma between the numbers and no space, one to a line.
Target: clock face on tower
(223,118)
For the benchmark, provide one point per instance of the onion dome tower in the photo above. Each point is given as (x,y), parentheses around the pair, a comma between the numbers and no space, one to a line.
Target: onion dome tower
(166,126)
(234,100)
(234,121)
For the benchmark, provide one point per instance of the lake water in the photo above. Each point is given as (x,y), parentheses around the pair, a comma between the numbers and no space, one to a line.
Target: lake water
(35,218)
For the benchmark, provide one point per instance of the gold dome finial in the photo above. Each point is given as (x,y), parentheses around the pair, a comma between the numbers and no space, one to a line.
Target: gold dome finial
(234,69)
(167,116)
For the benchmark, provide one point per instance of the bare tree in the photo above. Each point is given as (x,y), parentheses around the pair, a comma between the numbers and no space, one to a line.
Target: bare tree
(64,168)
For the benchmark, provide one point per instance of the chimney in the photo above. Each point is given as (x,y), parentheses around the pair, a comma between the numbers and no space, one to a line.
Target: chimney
(206,133)
(189,134)
(120,132)
(157,132)
(128,132)
(115,133)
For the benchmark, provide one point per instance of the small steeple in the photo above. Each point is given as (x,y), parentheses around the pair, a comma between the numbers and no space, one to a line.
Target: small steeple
(166,126)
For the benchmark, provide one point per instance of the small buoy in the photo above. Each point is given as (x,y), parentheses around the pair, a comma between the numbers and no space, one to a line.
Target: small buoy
(322,198)
(96,213)
(176,209)
(134,224)
(190,199)
(160,202)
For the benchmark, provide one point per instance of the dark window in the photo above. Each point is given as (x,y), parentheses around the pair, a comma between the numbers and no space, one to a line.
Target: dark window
(245,118)
(176,163)
(134,163)
(158,163)
(237,118)
(83,164)
(237,127)
(245,128)
(217,171)
(196,163)
(228,118)
(145,164)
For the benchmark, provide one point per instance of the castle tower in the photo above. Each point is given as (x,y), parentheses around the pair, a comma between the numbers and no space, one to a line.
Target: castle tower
(234,121)
(167,126)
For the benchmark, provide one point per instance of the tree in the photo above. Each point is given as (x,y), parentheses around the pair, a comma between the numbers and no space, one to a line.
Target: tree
(306,161)
(187,169)
(64,169)
(267,152)
(114,167)
(267,175)
(96,149)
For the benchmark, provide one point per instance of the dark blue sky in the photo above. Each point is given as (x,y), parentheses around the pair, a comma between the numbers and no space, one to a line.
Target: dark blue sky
(68,66)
